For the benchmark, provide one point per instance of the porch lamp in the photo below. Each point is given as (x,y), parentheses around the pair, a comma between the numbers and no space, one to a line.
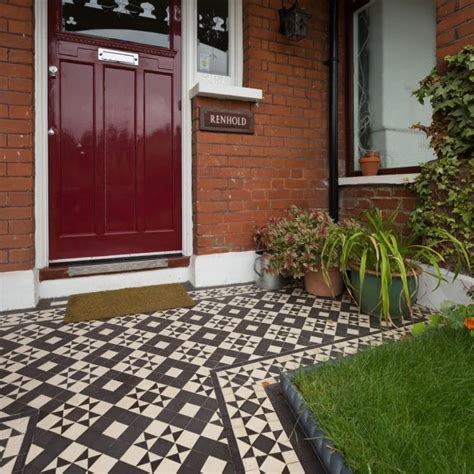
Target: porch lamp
(294,22)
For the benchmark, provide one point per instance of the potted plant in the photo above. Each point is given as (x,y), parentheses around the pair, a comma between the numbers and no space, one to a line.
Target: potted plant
(293,245)
(384,266)
(370,163)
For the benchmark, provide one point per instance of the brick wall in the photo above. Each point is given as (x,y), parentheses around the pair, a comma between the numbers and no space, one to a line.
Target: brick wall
(242,180)
(16,135)
(388,198)
(455,28)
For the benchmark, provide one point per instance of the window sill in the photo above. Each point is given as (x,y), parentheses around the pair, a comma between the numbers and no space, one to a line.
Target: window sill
(224,91)
(396,179)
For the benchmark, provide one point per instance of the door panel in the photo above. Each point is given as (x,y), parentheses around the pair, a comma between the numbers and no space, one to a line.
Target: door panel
(114,160)
(120,151)
(157,188)
(77,144)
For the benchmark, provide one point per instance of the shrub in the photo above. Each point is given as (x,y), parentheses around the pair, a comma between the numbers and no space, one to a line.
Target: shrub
(294,242)
(445,187)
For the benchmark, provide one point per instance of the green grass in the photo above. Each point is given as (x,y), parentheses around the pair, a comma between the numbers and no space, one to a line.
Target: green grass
(404,407)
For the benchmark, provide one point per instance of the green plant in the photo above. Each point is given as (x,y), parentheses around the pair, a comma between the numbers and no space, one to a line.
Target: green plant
(445,187)
(293,243)
(374,244)
(451,94)
(445,202)
(453,315)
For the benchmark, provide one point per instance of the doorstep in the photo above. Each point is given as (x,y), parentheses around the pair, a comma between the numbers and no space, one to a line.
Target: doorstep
(58,272)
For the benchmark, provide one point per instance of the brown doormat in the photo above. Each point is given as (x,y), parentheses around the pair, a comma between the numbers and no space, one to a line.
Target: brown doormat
(108,304)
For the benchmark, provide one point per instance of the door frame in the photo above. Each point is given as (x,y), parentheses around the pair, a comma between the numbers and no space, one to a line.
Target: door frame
(41,136)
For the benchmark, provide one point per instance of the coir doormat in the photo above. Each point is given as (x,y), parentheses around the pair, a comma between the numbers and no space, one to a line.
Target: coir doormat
(109,304)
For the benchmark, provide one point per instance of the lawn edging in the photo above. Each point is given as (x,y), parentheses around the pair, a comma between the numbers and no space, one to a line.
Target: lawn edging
(332,460)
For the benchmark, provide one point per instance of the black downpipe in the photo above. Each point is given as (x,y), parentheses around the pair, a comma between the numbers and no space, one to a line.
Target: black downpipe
(333,110)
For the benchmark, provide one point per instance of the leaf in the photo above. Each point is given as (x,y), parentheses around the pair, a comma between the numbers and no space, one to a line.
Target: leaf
(418,328)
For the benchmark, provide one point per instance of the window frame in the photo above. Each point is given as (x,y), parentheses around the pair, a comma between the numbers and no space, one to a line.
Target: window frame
(235,53)
(351,8)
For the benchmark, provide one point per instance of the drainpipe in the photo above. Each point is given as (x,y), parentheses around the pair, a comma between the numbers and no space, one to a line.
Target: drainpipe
(333,109)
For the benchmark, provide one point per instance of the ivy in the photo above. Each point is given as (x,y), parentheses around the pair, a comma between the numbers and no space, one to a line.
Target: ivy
(445,202)
(451,132)
(445,187)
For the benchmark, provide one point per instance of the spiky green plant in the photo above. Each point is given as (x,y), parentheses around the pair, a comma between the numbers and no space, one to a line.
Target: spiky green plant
(375,244)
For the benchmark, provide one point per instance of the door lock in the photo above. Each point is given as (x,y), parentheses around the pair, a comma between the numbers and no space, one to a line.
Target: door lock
(51,132)
(53,70)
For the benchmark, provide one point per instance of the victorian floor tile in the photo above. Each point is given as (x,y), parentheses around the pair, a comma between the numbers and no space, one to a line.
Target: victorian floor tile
(185,390)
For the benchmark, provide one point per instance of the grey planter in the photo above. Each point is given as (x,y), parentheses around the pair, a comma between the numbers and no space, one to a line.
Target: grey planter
(331,459)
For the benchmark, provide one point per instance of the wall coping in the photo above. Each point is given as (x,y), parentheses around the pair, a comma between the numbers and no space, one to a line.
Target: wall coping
(396,179)
(224,91)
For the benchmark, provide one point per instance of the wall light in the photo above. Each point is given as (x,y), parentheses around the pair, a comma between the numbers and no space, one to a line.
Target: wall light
(294,22)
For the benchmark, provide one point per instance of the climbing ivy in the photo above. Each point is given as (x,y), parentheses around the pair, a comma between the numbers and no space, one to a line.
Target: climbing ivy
(451,94)
(445,202)
(445,187)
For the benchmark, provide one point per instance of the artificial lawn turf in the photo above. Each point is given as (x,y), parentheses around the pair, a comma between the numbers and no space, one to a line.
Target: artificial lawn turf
(405,407)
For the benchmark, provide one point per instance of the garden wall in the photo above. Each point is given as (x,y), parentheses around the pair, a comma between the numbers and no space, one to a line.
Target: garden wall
(388,198)
(16,135)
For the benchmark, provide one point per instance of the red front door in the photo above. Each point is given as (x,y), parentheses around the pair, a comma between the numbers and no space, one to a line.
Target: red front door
(115,128)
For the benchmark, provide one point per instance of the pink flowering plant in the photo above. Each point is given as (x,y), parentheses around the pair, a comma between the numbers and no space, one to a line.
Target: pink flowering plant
(294,242)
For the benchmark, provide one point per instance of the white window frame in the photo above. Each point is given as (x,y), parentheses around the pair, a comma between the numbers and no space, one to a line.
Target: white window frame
(395,168)
(235,54)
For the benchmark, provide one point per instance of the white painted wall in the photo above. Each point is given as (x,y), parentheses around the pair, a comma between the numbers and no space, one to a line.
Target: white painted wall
(18,290)
(222,268)
(402,50)
(431,296)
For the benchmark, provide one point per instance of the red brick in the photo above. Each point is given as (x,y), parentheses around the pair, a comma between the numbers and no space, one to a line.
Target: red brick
(20,169)
(20,227)
(15,241)
(20,27)
(16,12)
(16,267)
(20,255)
(20,56)
(16,184)
(9,213)
(20,199)
(16,41)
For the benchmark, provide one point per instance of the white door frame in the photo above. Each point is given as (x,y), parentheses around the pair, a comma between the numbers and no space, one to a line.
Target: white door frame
(41,137)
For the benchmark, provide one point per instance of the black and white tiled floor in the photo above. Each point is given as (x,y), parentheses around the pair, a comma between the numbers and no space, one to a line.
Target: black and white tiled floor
(185,390)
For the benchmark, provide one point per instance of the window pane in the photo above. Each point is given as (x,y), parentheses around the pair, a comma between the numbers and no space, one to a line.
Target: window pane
(213,37)
(394,48)
(128,20)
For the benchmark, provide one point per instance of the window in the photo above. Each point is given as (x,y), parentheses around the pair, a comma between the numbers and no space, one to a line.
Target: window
(213,37)
(126,20)
(216,31)
(394,47)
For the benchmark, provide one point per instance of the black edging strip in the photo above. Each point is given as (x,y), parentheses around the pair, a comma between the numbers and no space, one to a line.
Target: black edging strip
(324,448)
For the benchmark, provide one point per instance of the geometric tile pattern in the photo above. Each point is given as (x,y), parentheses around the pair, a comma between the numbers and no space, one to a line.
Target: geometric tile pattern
(15,439)
(262,443)
(182,390)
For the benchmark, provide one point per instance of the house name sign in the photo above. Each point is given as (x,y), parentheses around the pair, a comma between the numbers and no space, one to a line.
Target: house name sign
(229,121)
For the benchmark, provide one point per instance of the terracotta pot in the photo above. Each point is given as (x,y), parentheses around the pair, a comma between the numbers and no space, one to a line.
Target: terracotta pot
(315,285)
(370,163)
